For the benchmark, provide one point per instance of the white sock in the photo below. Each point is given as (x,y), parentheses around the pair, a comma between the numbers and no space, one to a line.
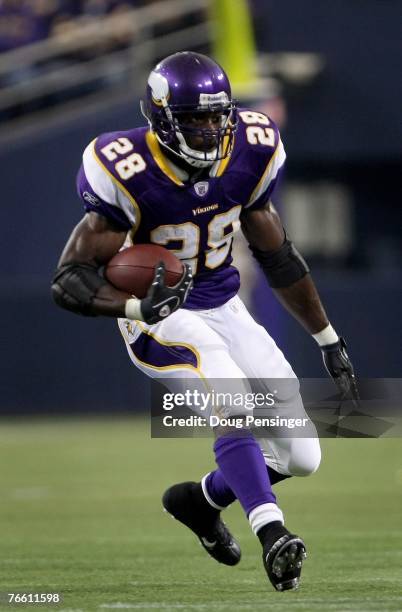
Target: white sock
(266,513)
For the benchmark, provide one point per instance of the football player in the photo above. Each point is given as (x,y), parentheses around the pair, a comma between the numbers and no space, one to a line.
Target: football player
(198,171)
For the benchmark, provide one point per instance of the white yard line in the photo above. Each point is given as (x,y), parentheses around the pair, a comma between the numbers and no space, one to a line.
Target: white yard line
(28,493)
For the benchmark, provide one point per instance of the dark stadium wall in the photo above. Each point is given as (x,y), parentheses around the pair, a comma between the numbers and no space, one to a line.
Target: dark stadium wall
(55,361)
(52,360)
(353,110)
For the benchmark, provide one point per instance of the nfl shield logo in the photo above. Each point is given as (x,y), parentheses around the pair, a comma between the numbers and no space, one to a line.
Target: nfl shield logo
(201,188)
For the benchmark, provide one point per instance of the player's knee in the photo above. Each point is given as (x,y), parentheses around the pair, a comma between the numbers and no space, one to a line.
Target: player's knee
(306,468)
(287,391)
(306,463)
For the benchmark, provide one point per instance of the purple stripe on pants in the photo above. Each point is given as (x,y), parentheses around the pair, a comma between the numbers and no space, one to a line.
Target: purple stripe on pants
(152,352)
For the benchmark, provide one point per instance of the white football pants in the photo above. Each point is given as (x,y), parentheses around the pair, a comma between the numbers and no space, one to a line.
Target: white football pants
(226,343)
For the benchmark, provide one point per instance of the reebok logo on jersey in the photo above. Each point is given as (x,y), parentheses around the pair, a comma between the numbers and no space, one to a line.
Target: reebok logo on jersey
(92,199)
(203,209)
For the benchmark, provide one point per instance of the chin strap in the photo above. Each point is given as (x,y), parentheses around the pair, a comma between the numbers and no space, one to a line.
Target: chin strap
(190,156)
(182,156)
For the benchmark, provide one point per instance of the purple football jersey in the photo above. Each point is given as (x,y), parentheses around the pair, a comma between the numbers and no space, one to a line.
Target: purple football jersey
(126,177)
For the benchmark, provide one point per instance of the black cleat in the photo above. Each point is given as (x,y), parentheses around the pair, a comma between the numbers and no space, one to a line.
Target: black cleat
(187,504)
(283,561)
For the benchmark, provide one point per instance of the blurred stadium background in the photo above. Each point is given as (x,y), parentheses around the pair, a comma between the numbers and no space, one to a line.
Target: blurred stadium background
(329,74)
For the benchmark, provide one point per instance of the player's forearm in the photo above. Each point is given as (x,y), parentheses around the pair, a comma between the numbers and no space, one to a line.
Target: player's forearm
(301,300)
(78,284)
(110,302)
(81,288)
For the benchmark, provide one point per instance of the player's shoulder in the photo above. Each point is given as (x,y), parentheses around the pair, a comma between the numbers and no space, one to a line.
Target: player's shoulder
(109,160)
(257,135)
(258,151)
(116,155)
(258,156)
(110,145)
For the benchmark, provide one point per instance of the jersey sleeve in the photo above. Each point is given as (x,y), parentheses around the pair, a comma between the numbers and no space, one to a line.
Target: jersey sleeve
(93,203)
(101,193)
(270,174)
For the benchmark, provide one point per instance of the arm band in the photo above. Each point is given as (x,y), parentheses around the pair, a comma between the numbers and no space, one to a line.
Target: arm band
(282,267)
(133,309)
(75,285)
(326,336)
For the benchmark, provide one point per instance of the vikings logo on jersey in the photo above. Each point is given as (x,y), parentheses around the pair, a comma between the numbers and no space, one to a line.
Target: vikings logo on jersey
(143,192)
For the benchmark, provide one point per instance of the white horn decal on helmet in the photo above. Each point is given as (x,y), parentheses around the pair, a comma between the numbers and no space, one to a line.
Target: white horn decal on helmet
(160,88)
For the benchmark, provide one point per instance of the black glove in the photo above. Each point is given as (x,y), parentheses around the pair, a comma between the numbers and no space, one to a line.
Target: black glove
(340,367)
(162,300)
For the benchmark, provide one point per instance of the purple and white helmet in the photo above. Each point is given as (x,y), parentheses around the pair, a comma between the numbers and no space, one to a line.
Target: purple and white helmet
(190,83)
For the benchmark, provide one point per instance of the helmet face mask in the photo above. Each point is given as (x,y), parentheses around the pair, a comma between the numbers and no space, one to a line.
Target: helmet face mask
(190,109)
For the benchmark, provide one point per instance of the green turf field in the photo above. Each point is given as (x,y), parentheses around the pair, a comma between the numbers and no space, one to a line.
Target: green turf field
(80,514)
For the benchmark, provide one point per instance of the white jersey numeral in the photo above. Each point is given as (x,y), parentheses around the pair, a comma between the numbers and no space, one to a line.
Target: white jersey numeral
(255,133)
(220,237)
(127,167)
(186,233)
(118,147)
(251,117)
(259,135)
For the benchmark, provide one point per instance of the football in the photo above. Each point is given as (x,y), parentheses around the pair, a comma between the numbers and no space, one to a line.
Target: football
(133,269)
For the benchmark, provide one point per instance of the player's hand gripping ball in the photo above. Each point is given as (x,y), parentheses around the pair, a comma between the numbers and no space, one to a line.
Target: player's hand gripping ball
(133,269)
(162,300)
